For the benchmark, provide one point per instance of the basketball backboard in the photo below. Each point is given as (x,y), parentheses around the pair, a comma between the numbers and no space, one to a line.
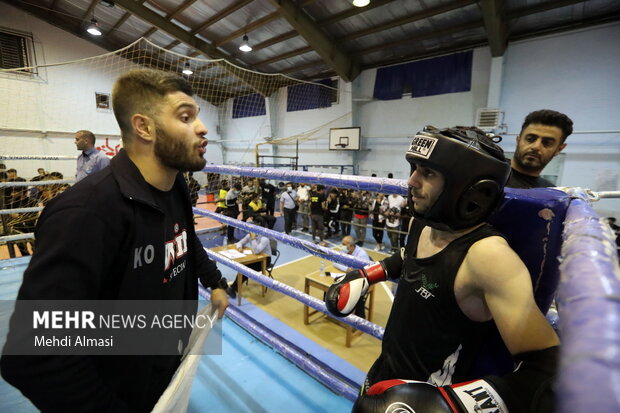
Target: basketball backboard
(344,139)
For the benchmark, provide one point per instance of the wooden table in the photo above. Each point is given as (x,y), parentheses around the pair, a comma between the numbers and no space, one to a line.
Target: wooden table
(322,283)
(245,260)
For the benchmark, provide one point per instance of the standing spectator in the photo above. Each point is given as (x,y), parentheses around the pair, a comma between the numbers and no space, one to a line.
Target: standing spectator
(40,175)
(193,186)
(90,160)
(221,197)
(346,212)
(361,204)
(288,206)
(332,212)
(317,208)
(268,194)
(303,194)
(11,176)
(35,191)
(49,192)
(378,207)
(405,220)
(395,205)
(232,209)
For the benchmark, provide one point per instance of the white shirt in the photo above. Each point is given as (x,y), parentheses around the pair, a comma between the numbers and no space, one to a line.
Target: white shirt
(303,193)
(257,245)
(358,252)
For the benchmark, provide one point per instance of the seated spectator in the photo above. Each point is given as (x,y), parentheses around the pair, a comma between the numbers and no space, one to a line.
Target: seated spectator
(258,244)
(258,213)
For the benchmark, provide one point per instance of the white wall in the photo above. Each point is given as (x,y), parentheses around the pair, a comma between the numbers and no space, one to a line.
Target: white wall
(387,126)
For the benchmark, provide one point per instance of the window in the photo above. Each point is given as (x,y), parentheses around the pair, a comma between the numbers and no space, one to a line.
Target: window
(16,50)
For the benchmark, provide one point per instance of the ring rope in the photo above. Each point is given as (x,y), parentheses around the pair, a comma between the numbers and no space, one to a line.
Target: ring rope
(313,302)
(364,183)
(307,246)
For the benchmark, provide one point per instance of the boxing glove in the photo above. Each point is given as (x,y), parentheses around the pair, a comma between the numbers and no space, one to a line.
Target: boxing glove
(344,294)
(391,396)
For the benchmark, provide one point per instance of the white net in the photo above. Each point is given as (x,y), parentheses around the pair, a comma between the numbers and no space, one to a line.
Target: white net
(43,107)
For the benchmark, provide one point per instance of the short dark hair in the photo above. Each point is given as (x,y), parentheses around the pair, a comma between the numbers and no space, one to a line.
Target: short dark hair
(11,170)
(89,135)
(550,118)
(141,91)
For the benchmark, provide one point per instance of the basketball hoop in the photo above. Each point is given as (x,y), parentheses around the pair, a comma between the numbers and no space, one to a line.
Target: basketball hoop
(341,145)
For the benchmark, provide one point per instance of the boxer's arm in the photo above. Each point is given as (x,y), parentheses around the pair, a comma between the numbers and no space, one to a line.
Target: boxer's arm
(498,272)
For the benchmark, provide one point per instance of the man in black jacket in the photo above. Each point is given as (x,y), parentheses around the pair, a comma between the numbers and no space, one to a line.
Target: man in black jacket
(123,233)
(543,136)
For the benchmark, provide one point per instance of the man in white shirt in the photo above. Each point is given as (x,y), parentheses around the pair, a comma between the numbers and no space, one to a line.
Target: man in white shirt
(288,202)
(258,244)
(352,249)
(355,250)
(303,193)
(393,214)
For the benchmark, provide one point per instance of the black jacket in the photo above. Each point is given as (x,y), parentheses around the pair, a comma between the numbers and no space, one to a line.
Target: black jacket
(89,241)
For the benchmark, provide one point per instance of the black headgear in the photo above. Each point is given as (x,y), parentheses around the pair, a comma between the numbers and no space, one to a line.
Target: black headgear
(475,172)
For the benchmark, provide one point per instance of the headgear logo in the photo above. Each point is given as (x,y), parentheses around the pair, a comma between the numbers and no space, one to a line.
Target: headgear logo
(422,146)
(399,407)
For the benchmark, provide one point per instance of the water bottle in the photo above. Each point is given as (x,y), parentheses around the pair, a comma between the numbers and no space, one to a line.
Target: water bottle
(322,267)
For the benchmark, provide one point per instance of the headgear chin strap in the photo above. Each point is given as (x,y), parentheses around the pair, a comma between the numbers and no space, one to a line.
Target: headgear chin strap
(475,172)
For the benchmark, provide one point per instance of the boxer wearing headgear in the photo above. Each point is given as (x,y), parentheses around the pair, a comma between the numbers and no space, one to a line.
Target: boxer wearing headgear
(458,275)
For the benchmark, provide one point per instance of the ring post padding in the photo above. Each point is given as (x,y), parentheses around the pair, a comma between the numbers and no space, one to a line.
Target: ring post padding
(589,306)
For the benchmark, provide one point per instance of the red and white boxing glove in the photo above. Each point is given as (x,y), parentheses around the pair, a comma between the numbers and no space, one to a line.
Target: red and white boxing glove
(346,292)
(391,396)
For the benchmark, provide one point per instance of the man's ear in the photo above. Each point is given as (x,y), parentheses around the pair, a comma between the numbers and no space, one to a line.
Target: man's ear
(562,146)
(143,127)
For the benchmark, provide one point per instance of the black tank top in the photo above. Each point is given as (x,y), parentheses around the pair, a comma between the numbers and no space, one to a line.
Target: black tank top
(427,337)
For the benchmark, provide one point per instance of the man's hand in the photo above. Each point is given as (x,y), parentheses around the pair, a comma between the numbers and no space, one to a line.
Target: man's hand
(219,300)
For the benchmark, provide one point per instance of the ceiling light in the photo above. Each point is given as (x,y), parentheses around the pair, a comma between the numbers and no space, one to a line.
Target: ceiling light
(245,46)
(187,70)
(361,3)
(93,27)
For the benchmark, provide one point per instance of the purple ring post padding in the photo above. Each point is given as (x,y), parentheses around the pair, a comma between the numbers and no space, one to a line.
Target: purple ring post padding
(352,320)
(363,183)
(308,363)
(307,246)
(589,306)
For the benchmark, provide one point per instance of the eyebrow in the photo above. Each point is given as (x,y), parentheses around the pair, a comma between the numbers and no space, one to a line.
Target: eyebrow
(187,105)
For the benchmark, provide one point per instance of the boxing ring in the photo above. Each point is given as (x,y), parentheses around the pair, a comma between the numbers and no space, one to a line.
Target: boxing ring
(583,255)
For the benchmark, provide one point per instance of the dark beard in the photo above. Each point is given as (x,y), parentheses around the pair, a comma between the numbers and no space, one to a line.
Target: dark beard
(176,154)
(518,158)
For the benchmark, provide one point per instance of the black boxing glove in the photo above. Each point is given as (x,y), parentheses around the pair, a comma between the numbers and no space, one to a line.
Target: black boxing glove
(343,295)
(391,396)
